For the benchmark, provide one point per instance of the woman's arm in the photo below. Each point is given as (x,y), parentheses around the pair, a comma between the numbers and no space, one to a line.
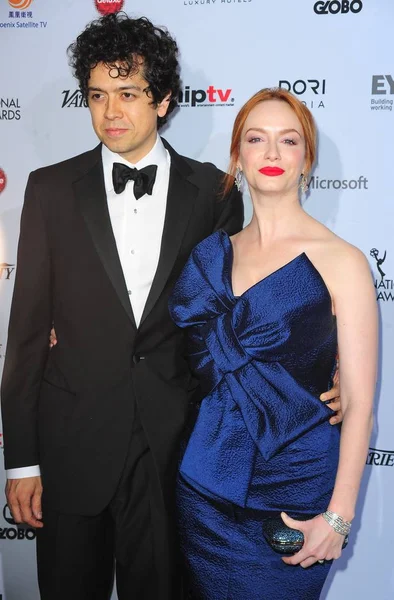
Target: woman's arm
(355,305)
(357,322)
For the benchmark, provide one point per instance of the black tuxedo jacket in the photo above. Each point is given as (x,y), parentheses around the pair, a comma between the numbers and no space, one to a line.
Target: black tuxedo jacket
(70,409)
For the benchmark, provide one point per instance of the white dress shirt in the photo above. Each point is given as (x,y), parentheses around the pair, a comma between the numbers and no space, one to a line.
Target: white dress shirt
(138,230)
(138,224)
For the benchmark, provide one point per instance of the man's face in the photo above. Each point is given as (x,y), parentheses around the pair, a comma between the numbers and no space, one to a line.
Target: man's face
(123,115)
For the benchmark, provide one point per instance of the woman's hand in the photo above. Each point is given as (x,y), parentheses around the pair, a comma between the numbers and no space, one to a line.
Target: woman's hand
(52,338)
(321,542)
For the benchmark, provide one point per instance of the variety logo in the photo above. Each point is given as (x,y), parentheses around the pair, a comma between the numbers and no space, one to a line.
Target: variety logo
(6,270)
(210,97)
(306,86)
(361,183)
(10,109)
(73,99)
(14,532)
(380,458)
(384,287)
(107,7)
(3,180)
(382,85)
(336,6)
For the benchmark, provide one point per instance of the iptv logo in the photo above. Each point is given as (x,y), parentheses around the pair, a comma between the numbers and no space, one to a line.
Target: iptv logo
(382,84)
(210,97)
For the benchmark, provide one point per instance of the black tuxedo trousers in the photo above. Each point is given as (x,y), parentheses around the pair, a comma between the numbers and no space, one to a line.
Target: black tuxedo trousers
(71,409)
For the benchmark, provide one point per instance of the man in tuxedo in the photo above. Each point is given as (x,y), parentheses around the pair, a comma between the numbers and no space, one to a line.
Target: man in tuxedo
(93,427)
(97,421)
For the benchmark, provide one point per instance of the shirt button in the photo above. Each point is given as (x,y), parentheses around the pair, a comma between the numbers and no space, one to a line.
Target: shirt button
(132,252)
(135,211)
(129,292)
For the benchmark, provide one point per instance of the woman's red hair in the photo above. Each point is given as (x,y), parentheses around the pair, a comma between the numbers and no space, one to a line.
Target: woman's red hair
(303,113)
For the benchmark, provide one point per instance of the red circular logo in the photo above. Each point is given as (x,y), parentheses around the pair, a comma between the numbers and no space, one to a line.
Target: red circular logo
(106,7)
(3,180)
(21,4)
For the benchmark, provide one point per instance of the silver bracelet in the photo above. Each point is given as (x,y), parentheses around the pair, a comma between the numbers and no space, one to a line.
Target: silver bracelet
(337,522)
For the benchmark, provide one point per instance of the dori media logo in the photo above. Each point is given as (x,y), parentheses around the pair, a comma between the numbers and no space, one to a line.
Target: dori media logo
(189,97)
(334,7)
(3,180)
(107,7)
(311,90)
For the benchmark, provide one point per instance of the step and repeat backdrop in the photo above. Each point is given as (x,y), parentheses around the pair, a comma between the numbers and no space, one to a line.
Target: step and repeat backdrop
(338,58)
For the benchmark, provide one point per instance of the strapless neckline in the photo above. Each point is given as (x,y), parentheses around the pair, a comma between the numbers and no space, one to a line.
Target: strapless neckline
(229,254)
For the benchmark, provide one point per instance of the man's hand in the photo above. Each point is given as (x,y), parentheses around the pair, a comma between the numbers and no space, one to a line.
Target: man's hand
(24,500)
(332,398)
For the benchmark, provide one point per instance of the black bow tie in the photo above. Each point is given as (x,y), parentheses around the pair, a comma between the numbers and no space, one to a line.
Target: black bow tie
(144,179)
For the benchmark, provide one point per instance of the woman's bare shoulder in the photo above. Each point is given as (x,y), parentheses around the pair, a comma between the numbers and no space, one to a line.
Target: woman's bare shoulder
(328,245)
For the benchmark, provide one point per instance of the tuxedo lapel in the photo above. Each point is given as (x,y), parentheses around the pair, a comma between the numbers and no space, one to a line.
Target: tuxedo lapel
(91,196)
(180,201)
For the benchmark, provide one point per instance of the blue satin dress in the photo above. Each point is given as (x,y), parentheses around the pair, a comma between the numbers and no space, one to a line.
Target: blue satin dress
(261,442)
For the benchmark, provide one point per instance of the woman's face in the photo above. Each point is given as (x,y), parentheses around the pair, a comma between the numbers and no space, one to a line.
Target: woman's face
(272,148)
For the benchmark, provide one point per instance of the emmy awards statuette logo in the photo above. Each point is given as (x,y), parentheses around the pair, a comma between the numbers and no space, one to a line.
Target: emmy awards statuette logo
(379,261)
(384,286)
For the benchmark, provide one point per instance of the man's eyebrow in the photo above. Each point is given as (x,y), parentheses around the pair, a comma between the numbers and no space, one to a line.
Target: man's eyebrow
(120,88)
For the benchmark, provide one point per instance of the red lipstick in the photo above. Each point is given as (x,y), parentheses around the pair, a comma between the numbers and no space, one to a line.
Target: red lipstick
(271,171)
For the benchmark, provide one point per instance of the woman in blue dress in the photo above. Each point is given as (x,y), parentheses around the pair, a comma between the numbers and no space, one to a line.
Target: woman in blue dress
(265,312)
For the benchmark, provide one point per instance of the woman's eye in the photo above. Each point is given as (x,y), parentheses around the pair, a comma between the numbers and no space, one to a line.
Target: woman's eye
(253,140)
(290,141)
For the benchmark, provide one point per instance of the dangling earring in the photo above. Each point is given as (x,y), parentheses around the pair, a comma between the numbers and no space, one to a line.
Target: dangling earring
(303,183)
(239,176)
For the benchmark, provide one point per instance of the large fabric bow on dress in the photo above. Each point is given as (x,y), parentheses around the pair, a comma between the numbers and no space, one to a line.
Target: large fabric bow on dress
(253,355)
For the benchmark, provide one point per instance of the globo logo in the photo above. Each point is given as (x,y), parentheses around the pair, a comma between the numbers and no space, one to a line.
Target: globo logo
(336,6)
(107,7)
(8,516)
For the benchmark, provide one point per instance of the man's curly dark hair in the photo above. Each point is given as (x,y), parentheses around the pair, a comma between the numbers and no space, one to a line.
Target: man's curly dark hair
(116,39)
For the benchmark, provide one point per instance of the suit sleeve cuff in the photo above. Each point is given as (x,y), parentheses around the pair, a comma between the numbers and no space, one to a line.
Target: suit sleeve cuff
(22,472)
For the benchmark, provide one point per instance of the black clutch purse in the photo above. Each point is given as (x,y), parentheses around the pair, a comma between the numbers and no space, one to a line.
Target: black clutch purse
(282,538)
